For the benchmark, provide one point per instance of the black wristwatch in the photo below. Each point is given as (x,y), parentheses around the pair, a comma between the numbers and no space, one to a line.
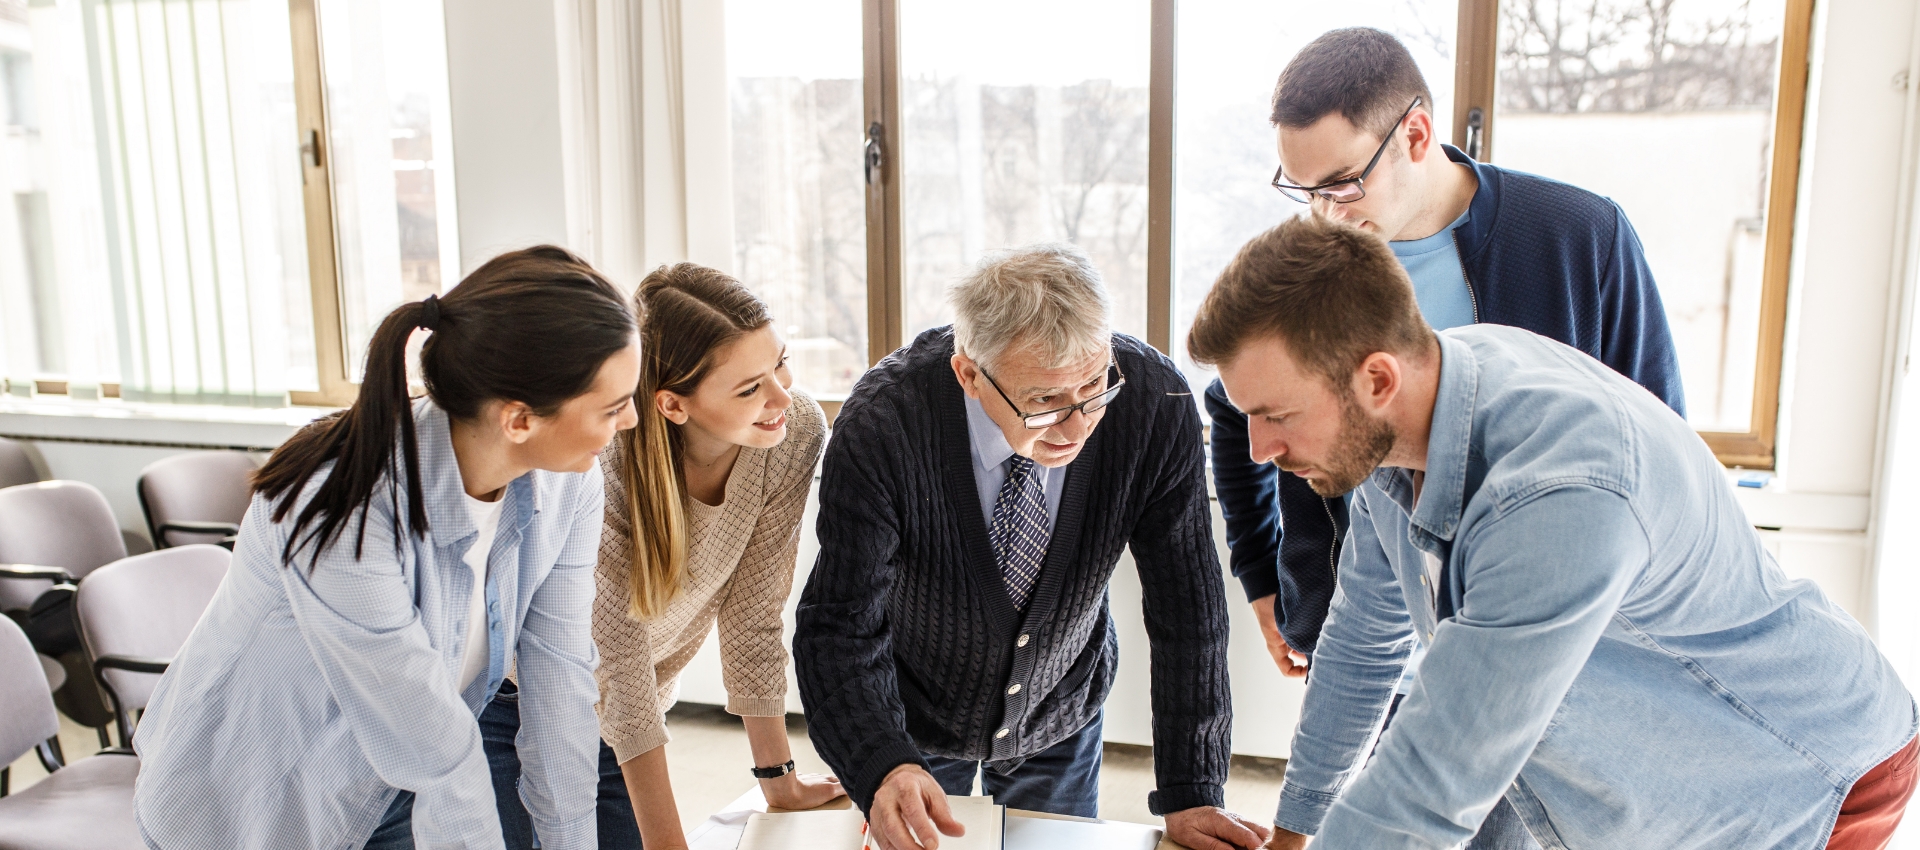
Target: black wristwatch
(773,772)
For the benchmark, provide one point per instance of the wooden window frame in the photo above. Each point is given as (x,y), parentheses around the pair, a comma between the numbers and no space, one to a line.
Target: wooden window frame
(336,387)
(1474,79)
(1753,448)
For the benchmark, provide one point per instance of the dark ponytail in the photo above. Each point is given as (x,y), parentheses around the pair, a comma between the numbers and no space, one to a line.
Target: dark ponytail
(532,326)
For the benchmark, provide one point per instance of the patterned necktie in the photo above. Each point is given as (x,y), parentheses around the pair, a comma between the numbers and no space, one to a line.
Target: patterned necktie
(1019,533)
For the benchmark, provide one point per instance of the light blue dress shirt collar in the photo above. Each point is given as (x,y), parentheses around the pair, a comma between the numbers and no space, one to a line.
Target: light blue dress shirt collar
(991,451)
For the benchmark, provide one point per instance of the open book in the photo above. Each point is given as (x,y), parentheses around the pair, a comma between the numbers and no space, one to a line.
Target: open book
(845,829)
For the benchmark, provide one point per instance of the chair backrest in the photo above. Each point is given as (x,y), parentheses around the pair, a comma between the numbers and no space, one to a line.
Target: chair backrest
(145,607)
(15,467)
(196,487)
(27,716)
(64,524)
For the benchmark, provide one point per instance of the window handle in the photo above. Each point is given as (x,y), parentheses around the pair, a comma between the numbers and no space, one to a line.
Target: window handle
(1476,130)
(876,153)
(310,149)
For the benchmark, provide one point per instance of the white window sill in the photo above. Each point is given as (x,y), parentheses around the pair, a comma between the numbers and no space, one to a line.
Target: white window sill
(183,425)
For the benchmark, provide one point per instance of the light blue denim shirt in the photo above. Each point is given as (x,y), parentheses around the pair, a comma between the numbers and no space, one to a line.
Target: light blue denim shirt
(1610,647)
(304,699)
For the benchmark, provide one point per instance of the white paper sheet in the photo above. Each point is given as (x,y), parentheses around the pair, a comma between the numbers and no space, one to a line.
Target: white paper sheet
(1025,833)
(830,830)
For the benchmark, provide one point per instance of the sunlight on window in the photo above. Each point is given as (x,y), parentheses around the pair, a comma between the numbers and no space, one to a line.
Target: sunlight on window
(1688,88)
(385,68)
(799,203)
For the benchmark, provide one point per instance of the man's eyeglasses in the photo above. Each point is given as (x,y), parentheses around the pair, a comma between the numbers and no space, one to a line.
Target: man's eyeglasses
(1346,190)
(1049,418)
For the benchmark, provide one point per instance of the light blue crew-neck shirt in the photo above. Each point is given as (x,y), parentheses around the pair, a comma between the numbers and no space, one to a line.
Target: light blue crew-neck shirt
(991,451)
(1439,281)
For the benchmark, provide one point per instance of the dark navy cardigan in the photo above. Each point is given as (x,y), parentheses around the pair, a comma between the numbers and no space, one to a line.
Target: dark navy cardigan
(906,642)
(1537,254)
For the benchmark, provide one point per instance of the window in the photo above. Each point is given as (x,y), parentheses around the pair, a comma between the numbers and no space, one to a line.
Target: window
(1139,132)
(1693,86)
(173,193)
(384,64)
(794,82)
(1016,134)
(153,236)
(1229,56)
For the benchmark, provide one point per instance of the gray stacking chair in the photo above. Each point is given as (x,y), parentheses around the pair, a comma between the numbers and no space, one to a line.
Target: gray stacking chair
(64,525)
(136,614)
(15,467)
(87,805)
(60,530)
(198,497)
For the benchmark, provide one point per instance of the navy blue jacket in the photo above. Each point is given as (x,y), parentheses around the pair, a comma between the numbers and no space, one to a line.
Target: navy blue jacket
(1538,254)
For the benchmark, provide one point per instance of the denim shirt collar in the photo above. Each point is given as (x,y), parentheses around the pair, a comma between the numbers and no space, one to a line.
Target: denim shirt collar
(1443,495)
(445,491)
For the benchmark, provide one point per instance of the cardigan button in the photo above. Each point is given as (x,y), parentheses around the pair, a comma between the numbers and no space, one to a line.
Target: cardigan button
(1021,642)
(1002,734)
(1013,690)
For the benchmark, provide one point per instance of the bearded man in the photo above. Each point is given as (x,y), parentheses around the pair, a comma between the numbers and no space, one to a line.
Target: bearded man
(1609,648)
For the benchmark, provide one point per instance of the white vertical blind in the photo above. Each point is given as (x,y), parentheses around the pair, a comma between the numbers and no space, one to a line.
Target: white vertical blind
(164,143)
(199,130)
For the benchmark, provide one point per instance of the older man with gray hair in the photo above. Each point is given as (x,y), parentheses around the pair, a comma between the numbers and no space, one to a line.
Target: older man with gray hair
(979,488)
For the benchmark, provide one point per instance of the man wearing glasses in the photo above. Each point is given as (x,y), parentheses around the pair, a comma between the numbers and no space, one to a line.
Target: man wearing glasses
(979,489)
(1357,144)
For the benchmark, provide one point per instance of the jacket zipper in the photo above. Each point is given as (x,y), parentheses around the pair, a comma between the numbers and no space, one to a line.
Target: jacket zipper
(1472,299)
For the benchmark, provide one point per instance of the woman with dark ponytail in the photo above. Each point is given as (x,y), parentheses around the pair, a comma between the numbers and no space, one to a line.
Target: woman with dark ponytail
(704,501)
(398,558)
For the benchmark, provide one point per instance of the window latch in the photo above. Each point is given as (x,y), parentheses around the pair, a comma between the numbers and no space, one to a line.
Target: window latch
(1476,130)
(876,155)
(310,149)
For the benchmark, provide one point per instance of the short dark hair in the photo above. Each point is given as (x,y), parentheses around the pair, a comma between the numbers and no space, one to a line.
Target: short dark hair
(1360,72)
(1332,293)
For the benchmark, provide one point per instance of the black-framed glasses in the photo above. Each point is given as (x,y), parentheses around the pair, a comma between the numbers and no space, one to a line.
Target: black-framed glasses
(1346,190)
(1050,418)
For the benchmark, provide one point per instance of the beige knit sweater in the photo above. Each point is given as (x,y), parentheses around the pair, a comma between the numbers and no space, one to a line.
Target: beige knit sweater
(739,571)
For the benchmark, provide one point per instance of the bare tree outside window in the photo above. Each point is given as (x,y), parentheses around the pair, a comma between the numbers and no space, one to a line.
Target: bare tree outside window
(1666,107)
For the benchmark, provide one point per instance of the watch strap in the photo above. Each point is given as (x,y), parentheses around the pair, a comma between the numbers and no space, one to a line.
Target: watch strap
(773,772)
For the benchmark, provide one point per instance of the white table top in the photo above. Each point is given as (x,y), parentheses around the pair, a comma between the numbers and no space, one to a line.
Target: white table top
(722,830)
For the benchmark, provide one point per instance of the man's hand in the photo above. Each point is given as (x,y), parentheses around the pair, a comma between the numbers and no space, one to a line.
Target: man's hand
(1210,828)
(1284,840)
(909,805)
(1293,665)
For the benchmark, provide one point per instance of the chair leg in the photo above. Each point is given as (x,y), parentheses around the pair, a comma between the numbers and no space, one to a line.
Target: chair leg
(5,777)
(106,741)
(50,755)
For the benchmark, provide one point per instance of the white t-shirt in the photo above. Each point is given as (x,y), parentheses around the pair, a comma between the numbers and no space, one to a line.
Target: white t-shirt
(473,659)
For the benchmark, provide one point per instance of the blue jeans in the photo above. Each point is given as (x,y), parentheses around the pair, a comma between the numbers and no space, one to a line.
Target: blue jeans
(499,725)
(1502,830)
(1063,779)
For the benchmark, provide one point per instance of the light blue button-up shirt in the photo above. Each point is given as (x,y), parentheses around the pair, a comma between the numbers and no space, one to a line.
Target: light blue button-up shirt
(991,451)
(305,699)
(1610,646)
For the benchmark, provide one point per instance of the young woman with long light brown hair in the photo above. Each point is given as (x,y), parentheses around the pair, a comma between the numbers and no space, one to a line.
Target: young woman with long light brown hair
(703,510)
